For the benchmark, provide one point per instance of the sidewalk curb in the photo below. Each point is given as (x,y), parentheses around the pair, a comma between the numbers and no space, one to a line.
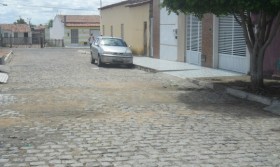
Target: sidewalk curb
(147,69)
(7,58)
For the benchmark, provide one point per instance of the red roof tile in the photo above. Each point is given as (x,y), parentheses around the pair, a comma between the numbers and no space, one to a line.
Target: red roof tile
(15,27)
(80,20)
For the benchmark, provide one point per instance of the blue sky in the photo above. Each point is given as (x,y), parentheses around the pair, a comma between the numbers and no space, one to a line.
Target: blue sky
(41,11)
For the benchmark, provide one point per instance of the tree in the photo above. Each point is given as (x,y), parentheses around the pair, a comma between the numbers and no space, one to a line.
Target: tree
(50,24)
(20,21)
(259,19)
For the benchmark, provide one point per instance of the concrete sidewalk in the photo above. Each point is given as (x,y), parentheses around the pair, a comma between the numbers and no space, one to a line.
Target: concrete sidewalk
(179,69)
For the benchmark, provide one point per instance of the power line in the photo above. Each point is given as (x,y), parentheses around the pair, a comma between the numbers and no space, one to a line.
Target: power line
(49,7)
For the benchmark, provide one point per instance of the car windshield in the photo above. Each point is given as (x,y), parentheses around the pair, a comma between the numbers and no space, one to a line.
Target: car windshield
(112,42)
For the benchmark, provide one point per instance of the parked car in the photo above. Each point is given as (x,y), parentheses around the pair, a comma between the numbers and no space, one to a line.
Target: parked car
(111,50)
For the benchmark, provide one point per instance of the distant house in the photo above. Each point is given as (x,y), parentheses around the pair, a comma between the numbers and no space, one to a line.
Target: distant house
(75,29)
(38,34)
(129,20)
(19,33)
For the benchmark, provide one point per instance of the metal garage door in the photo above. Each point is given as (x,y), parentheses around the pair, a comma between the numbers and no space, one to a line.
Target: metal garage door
(194,31)
(232,46)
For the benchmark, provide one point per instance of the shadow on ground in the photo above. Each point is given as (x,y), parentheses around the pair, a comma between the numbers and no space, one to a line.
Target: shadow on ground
(218,102)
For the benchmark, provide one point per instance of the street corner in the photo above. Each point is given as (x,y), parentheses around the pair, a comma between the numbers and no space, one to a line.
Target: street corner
(5,56)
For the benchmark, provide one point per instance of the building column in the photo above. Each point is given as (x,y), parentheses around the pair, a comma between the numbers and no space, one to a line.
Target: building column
(181,32)
(156,29)
(207,40)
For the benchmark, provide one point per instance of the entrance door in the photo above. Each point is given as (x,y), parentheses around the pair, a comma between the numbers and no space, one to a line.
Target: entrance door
(74,36)
(232,46)
(194,31)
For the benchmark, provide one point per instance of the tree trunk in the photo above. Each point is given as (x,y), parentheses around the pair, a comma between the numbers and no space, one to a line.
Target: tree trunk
(256,69)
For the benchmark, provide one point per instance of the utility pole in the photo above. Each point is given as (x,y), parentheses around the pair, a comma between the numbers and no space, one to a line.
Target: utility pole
(100,26)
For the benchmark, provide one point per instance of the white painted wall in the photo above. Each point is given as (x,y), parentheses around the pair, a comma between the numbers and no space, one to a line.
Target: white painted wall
(168,42)
(57,31)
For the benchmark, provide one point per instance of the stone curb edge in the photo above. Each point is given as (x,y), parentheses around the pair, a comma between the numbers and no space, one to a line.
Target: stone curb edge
(251,97)
(7,58)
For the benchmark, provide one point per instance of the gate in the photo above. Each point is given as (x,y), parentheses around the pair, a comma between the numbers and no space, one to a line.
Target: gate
(232,46)
(194,36)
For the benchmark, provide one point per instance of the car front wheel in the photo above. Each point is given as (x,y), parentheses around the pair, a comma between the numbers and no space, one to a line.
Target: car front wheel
(99,62)
(92,61)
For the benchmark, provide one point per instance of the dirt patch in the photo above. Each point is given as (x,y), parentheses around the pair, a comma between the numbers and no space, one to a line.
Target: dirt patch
(7,122)
(272,86)
(3,52)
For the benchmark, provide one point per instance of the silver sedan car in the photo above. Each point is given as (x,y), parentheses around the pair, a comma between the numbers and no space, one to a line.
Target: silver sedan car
(111,50)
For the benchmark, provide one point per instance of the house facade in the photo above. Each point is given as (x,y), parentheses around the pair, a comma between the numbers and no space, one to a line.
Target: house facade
(215,42)
(17,34)
(129,20)
(75,29)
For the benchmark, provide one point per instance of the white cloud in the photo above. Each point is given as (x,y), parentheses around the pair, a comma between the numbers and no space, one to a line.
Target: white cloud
(41,11)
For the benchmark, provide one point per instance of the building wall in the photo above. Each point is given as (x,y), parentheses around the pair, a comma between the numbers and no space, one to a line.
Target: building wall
(84,33)
(168,40)
(272,57)
(11,34)
(57,31)
(132,19)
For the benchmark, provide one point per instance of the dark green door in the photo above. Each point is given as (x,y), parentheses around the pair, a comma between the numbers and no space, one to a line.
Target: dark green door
(74,36)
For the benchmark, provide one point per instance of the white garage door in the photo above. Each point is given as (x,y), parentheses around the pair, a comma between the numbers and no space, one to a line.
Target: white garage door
(194,35)
(232,46)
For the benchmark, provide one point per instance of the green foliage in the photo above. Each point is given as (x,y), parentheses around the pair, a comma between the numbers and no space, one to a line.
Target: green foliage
(221,7)
(20,21)
(50,24)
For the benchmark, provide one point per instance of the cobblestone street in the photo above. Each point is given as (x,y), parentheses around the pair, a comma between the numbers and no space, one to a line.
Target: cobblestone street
(59,110)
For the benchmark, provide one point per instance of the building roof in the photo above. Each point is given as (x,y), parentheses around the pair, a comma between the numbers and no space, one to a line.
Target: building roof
(134,3)
(128,3)
(113,5)
(15,27)
(80,20)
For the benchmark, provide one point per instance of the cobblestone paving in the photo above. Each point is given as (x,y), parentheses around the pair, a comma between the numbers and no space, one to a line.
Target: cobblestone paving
(58,110)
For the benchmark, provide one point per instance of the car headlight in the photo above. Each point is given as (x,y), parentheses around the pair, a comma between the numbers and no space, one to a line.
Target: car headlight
(106,52)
